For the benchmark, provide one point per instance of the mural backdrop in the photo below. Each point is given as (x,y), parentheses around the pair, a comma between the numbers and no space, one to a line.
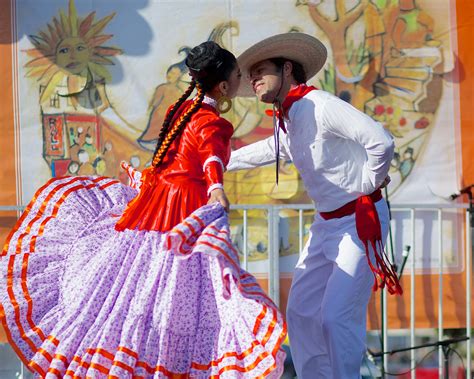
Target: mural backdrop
(88,83)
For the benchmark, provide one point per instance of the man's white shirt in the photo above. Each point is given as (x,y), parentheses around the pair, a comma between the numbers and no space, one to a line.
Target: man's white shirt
(340,152)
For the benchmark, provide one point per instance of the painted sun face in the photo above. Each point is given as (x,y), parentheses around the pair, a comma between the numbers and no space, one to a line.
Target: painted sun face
(70,50)
(73,55)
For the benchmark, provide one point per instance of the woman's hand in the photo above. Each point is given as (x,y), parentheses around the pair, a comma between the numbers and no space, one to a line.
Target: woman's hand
(218,196)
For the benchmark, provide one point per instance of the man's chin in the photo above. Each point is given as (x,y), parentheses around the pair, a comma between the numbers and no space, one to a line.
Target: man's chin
(265,97)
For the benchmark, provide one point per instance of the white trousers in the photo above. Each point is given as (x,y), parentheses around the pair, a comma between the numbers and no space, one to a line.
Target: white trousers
(327,305)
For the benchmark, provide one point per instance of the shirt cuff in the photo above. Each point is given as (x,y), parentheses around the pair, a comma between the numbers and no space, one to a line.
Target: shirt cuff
(213,187)
(213,158)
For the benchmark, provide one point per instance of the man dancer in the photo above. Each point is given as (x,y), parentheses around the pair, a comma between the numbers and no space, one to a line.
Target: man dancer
(343,157)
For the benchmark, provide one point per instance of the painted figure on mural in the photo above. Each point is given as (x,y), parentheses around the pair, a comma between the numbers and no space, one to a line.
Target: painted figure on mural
(165,94)
(69,61)
(406,164)
(413,27)
(393,74)
(101,278)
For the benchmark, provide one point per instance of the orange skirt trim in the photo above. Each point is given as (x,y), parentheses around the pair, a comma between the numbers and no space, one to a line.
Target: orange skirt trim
(150,369)
(258,323)
(24,265)
(23,216)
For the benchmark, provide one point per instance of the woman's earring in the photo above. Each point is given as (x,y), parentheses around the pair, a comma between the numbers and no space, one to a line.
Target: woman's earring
(224,104)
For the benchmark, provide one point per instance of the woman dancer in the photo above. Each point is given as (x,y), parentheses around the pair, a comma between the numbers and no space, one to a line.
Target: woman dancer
(102,280)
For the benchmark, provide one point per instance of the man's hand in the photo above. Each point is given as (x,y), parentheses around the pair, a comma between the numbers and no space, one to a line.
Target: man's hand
(218,195)
(385,182)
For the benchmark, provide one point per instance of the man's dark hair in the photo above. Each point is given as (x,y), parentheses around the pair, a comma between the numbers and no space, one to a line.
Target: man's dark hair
(297,71)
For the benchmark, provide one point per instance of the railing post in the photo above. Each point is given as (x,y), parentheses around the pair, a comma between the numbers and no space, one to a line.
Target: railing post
(468,294)
(440,293)
(273,255)
(245,239)
(300,230)
(412,297)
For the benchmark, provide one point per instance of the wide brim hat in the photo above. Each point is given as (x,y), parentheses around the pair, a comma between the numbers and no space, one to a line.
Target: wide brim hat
(299,47)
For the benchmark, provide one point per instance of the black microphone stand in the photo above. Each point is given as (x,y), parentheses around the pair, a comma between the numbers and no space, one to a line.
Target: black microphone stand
(382,294)
(392,255)
(445,345)
(466,191)
(406,251)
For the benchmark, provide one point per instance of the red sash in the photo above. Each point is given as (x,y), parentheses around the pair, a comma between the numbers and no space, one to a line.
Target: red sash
(369,231)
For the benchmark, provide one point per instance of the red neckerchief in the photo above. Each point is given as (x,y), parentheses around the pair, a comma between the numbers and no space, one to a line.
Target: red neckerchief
(279,112)
(293,95)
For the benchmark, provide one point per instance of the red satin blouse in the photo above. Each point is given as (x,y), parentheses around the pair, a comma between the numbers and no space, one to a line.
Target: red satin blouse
(193,166)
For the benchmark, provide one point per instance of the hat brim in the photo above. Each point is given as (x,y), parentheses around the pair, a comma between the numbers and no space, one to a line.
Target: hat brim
(299,47)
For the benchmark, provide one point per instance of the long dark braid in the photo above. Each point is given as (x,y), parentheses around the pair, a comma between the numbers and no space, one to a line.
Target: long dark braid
(178,127)
(166,123)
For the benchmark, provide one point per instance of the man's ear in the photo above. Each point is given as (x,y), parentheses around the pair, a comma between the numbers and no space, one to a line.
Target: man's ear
(287,68)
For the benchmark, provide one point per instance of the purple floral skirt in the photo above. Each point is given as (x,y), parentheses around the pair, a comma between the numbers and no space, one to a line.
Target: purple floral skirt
(79,299)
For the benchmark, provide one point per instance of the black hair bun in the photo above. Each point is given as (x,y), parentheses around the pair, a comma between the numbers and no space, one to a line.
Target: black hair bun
(204,56)
(209,64)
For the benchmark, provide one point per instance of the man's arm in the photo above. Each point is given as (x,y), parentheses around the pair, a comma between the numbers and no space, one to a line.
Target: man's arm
(346,121)
(258,154)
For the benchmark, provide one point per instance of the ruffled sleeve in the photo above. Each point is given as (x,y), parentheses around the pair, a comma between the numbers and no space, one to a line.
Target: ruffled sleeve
(213,139)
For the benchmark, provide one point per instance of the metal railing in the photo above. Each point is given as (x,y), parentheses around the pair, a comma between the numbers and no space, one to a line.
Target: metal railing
(272,214)
(412,209)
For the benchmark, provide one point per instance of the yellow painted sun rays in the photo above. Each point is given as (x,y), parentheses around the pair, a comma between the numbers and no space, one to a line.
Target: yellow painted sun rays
(70,53)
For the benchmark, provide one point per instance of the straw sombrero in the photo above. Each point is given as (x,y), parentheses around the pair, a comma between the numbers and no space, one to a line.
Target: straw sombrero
(299,47)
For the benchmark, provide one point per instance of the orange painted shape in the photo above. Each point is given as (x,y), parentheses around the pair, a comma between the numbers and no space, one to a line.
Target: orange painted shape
(7,142)
(465,31)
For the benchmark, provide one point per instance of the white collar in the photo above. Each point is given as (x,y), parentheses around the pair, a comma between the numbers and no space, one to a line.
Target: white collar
(210,101)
